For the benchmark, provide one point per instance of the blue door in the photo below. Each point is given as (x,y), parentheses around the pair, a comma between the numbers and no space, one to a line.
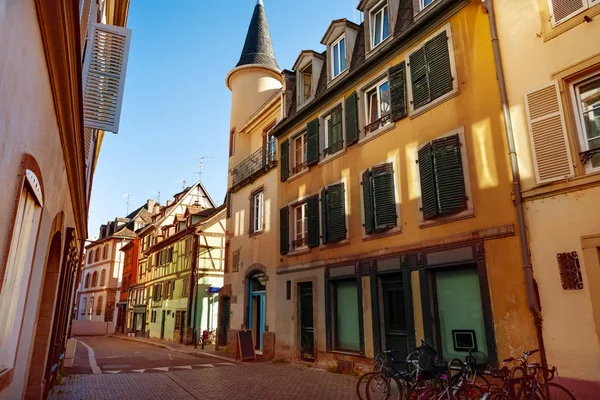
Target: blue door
(257,308)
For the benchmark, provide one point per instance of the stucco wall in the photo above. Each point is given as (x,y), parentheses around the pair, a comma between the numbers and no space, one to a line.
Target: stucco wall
(28,125)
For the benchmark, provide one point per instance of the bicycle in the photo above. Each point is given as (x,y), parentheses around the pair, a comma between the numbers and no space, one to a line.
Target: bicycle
(380,360)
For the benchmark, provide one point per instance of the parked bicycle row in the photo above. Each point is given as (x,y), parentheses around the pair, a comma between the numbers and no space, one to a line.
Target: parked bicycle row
(423,376)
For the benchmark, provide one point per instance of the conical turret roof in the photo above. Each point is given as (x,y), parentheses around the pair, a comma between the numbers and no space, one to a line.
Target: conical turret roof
(258,48)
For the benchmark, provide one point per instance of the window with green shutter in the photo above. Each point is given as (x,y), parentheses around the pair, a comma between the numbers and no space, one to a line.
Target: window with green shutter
(379,200)
(431,71)
(397,79)
(333,132)
(333,218)
(443,188)
(284,165)
(312,142)
(312,211)
(284,230)
(351,119)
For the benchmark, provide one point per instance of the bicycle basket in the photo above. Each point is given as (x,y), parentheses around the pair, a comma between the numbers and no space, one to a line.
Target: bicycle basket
(478,361)
(427,356)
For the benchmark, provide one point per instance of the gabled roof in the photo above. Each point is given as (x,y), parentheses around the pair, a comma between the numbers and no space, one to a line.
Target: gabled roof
(258,48)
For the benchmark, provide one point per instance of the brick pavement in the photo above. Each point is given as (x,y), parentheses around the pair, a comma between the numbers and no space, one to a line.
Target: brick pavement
(248,381)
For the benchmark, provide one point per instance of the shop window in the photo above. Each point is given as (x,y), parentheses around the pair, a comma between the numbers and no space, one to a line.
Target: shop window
(346,316)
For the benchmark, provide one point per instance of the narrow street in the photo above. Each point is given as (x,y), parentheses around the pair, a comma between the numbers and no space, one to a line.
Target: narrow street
(119,369)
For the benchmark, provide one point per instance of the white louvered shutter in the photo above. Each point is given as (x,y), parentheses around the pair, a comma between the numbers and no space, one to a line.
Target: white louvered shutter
(550,147)
(104,76)
(562,10)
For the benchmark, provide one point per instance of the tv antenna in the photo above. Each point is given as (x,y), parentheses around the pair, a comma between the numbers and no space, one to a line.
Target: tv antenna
(158,197)
(126,195)
(183,182)
(201,163)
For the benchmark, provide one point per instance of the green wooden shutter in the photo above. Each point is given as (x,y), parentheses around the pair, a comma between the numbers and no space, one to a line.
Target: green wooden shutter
(397,80)
(427,177)
(336,138)
(351,119)
(284,165)
(383,196)
(312,211)
(451,193)
(284,230)
(312,142)
(438,66)
(336,213)
(324,219)
(368,201)
(418,78)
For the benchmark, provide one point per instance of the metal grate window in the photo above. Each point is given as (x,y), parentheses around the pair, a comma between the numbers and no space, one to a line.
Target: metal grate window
(570,271)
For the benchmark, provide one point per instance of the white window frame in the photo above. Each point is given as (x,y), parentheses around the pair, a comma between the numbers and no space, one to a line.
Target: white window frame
(470,211)
(258,202)
(303,98)
(294,138)
(587,4)
(576,103)
(302,205)
(367,104)
(423,6)
(412,112)
(324,118)
(373,25)
(339,56)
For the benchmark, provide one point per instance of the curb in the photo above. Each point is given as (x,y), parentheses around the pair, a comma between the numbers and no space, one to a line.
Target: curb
(196,353)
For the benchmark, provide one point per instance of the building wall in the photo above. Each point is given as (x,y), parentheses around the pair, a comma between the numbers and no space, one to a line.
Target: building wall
(558,215)
(28,125)
(476,109)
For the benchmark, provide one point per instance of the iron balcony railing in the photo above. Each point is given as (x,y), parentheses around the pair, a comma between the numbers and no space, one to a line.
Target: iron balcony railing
(258,163)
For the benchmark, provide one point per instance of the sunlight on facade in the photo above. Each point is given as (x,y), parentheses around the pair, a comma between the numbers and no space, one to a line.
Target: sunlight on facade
(394,157)
(485,165)
(411,174)
(345,180)
(267,215)
(522,142)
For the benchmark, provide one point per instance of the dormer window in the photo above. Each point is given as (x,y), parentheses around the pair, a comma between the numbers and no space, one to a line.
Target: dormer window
(425,3)
(380,23)
(338,56)
(306,84)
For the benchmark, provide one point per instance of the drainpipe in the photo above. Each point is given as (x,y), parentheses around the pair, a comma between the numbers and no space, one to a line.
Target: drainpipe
(516,177)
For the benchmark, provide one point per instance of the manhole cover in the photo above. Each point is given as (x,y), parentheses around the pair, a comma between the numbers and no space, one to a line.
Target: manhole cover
(116,366)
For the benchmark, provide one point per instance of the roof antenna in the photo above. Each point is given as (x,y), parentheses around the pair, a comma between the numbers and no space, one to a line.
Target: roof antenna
(201,163)
(126,195)
(183,182)
(158,197)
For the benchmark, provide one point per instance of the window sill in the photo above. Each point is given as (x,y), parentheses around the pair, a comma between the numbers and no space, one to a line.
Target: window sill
(376,133)
(328,246)
(390,232)
(550,32)
(6,378)
(427,107)
(421,13)
(299,252)
(334,80)
(379,46)
(447,219)
(257,233)
(332,157)
(298,175)
(347,353)
(580,182)
(301,106)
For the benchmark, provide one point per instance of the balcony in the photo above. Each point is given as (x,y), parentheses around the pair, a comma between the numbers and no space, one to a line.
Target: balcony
(254,166)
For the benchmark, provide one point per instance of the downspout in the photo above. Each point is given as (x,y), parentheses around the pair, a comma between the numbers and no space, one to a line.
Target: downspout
(516,177)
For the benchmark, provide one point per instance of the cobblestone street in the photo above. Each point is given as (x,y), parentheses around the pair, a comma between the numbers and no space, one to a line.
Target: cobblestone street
(243,381)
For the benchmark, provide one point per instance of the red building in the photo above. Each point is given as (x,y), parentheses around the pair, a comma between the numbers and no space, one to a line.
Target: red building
(129,278)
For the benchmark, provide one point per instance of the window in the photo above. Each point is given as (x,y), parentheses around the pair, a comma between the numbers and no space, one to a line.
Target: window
(97,255)
(299,151)
(338,56)
(306,84)
(102,277)
(87,280)
(165,256)
(587,97)
(185,287)
(379,199)
(105,252)
(425,3)
(333,137)
(90,257)
(153,317)
(91,308)
(257,212)
(99,306)
(563,10)
(188,246)
(432,70)
(158,292)
(345,327)
(380,24)
(570,271)
(377,106)
(177,320)
(300,226)
(172,289)
(333,213)
(95,279)
(232,142)
(83,306)
(443,188)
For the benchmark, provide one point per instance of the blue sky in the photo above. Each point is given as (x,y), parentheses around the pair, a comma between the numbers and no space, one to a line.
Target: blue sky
(176,105)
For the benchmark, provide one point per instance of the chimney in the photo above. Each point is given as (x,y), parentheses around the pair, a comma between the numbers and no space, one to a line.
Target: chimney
(150,205)
(156,209)
(169,202)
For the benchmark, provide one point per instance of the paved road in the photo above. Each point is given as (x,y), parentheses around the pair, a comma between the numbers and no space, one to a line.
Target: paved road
(220,380)
(119,356)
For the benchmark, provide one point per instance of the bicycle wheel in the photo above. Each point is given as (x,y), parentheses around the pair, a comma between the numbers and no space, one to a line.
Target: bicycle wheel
(383,386)
(554,391)
(361,386)
(432,393)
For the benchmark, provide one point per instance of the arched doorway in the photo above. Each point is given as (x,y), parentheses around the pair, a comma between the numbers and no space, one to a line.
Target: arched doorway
(256,317)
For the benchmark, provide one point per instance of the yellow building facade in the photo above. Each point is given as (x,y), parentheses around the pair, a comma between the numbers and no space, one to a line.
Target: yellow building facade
(553,84)
(396,222)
